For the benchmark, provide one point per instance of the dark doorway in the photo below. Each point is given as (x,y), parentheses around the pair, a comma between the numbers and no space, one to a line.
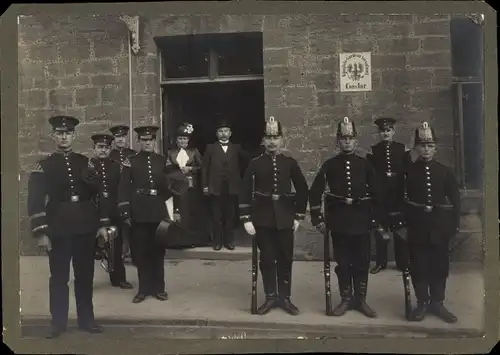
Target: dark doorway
(202,104)
(207,77)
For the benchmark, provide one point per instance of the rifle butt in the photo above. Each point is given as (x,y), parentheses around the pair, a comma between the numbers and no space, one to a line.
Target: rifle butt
(254,276)
(406,283)
(327,272)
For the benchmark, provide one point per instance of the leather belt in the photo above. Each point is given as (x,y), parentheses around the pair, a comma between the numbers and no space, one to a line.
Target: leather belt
(274,197)
(428,208)
(148,192)
(348,200)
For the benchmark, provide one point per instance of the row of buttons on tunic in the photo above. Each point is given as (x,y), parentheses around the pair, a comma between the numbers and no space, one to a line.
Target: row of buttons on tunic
(70,175)
(348,173)
(104,179)
(275,169)
(428,179)
(150,172)
(388,156)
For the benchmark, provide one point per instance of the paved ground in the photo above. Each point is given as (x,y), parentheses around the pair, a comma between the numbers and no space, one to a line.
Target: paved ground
(212,299)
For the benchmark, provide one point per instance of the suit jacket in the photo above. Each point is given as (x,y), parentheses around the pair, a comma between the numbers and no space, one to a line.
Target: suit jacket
(269,176)
(213,164)
(71,186)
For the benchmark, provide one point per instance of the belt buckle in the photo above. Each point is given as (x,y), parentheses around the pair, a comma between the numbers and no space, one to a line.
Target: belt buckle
(153,192)
(75,198)
(105,194)
(349,201)
(275,197)
(389,174)
(428,208)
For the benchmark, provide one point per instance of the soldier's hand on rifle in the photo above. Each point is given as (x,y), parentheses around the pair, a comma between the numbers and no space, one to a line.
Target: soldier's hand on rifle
(44,243)
(296,225)
(249,228)
(321,227)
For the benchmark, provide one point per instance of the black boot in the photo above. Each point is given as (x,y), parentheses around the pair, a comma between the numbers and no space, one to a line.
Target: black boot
(288,306)
(360,290)
(284,291)
(345,289)
(377,268)
(270,303)
(418,314)
(440,311)
(268,273)
(55,332)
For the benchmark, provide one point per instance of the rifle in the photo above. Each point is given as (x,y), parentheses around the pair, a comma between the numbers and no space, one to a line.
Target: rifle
(326,272)
(406,283)
(326,263)
(406,271)
(255,270)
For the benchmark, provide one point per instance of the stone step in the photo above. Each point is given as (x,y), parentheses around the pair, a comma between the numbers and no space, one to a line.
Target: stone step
(34,327)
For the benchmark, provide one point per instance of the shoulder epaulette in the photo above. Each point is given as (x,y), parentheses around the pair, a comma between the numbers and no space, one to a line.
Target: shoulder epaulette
(126,162)
(38,168)
(258,157)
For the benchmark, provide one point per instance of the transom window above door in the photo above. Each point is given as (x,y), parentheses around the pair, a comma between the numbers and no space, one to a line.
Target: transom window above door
(210,56)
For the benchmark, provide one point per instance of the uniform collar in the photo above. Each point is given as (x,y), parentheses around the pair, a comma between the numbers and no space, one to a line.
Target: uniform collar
(64,152)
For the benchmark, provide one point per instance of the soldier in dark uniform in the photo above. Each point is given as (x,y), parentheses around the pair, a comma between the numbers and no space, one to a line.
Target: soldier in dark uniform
(120,153)
(221,181)
(430,195)
(273,215)
(388,157)
(66,226)
(109,172)
(141,202)
(350,202)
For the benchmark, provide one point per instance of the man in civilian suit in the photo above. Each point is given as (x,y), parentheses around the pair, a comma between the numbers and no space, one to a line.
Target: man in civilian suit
(221,181)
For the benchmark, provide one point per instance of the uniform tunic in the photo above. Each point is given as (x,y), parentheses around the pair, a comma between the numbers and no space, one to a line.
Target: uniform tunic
(109,172)
(273,211)
(351,210)
(430,195)
(70,219)
(121,155)
(389,160)
(141,198)
(349,178)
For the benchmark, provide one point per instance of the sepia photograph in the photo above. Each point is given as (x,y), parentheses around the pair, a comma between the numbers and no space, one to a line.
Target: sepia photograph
(251,176)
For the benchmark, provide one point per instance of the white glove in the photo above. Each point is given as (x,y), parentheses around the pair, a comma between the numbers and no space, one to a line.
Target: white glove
(44,244)
(250,229)
(296,225)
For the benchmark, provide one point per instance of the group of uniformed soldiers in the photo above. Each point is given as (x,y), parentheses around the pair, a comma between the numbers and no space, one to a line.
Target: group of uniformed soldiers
(119,190)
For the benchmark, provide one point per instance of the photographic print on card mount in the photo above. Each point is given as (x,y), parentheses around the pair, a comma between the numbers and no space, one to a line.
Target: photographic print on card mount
(93,62)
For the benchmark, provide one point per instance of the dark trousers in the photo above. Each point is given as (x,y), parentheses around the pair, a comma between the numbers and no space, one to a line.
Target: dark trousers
(352,255)
(118,275)
(276,258)
(400,250)
(223,212)
(126,233)
(80,250)
(150,258)
(430,265)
